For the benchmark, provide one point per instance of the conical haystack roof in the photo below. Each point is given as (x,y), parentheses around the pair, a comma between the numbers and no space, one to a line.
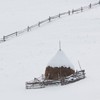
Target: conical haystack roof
(60,59)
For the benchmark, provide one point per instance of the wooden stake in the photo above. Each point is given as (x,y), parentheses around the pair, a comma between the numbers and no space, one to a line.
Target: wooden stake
(79,65)
(59,45)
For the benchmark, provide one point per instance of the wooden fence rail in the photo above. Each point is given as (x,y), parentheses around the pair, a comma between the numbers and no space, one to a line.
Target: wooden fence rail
(49,19)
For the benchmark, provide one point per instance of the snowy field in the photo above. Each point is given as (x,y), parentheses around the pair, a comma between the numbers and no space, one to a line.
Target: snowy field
(26,57)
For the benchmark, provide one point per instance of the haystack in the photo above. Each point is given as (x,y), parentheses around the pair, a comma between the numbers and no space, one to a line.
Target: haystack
(59,67)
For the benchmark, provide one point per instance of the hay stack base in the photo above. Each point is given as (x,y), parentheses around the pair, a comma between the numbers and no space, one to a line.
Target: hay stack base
(38,83)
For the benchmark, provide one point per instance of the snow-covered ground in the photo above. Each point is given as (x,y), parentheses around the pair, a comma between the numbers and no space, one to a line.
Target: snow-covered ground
(26,57)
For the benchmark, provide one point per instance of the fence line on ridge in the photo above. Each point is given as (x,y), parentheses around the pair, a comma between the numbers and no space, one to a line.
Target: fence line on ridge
(49,19)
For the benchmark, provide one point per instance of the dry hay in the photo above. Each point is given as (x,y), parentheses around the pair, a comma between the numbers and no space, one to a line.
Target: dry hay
(55,73)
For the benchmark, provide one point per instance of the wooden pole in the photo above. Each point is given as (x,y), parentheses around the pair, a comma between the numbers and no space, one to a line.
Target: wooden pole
(99,1)
(16,33)
(28,28)
(69,12)
(59,15)
(90,5)
(39,24)
(72,11)
(81,9)
(4,38)
(59,45)
(49,18)
(79,65)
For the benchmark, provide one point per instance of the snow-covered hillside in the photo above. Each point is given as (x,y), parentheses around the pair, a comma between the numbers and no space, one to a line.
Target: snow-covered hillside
(26,57)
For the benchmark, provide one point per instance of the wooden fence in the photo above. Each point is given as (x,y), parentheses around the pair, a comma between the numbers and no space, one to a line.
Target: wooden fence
(49,19)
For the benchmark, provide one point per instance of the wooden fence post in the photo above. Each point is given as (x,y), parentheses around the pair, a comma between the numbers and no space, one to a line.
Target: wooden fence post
(39,24)
(90,5)
(81,9)
(72,11)
(59,15)
(16,33)
(69,12)
(99,2)
(28,29)
(49,18)
(4,38)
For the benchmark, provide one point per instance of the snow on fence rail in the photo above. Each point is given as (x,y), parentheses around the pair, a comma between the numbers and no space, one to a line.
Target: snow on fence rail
(49,19)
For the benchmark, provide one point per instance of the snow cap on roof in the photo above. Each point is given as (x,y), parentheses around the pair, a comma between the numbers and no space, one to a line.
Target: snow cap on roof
(59,60)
